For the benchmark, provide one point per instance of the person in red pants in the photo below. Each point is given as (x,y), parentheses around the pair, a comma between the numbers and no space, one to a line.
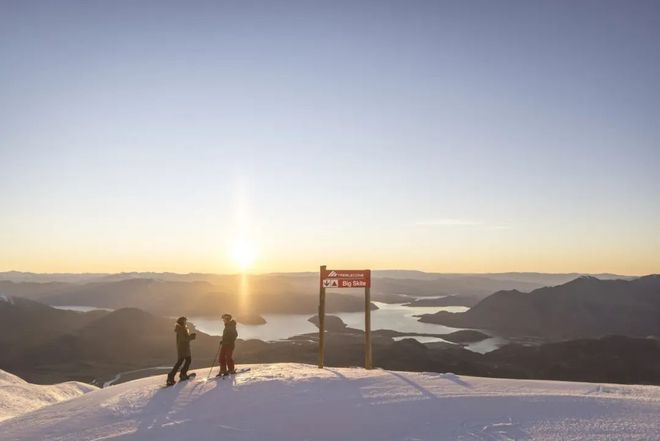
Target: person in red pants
(229,336)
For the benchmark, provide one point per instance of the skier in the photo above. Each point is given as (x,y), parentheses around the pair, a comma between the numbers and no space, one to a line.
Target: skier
(229,336)
(183,338)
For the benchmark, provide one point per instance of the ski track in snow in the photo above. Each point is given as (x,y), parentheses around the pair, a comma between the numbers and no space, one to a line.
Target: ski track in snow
(289,402)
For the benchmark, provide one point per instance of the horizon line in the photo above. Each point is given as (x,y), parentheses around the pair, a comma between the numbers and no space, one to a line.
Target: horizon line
(239,273)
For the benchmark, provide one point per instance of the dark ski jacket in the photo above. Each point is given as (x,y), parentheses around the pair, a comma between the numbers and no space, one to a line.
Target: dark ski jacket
(183,338)
(229,335)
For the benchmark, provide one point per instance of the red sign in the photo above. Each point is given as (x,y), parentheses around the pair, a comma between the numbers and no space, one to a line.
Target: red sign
(346,279)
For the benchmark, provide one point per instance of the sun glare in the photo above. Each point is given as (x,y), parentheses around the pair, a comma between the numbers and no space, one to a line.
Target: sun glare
(244,253)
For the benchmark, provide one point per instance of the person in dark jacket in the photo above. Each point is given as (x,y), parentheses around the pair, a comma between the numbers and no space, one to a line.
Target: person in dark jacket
(229,336)
(183,339)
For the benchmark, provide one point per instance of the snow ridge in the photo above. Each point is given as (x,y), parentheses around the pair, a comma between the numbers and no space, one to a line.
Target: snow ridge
(286,402)
(18,396)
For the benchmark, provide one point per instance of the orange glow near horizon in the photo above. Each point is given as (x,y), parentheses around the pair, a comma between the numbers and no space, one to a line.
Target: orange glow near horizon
(483,263)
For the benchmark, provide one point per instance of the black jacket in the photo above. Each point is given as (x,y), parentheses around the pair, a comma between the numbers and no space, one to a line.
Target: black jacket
(229,335)
(183,339)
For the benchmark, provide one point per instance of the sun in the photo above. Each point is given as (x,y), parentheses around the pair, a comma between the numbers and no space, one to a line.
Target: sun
(244,253)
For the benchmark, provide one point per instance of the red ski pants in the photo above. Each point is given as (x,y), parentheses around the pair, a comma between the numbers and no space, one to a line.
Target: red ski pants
(226,358)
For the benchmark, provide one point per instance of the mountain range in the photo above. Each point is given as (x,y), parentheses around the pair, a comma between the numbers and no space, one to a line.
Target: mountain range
(174,298)
(199,294)
(47,345)
(584,307)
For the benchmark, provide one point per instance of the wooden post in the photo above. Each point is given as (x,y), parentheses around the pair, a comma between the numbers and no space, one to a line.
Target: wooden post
(321,319)
(367,329)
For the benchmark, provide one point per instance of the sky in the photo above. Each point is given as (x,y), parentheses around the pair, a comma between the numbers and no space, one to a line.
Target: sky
(212,136)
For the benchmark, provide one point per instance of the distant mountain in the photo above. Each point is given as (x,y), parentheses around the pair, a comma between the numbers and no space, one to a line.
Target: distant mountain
(176,298)
(386,283)
(444,301)
(47,344)
(611,359)
(21,276)
(25,324)
(34,290)
(584,307)
(118,341)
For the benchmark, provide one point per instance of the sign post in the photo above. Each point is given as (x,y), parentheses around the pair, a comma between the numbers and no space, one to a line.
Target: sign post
(367,328)
(346,279)
(321,321)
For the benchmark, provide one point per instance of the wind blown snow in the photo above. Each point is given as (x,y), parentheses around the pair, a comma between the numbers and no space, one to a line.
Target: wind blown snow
(18,396)
(289,402)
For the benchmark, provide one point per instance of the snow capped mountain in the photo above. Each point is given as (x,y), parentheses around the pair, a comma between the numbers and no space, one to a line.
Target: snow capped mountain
(301,402)
(18,396)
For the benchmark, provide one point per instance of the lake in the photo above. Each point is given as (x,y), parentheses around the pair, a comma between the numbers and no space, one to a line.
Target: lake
(282,326)
(389,316)
(81,308)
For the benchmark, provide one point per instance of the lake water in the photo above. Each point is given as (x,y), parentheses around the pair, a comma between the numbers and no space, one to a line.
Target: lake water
(389,316)
(81,308)
(282,326)
(277,326)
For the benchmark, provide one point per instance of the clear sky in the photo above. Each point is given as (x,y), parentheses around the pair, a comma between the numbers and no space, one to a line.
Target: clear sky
(443,136)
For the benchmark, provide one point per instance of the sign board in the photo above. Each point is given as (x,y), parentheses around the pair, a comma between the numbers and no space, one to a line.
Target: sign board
(346,279)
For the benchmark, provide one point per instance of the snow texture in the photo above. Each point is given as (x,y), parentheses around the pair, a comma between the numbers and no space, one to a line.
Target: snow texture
(289,402)
(18,396)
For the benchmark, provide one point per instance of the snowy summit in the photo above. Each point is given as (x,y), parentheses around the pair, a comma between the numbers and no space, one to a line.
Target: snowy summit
(291,402)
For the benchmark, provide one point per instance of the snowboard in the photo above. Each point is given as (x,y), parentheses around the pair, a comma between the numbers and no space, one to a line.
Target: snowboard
(190,377)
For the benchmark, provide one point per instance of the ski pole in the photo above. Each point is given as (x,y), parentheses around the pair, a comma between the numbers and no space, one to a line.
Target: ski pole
(217,354)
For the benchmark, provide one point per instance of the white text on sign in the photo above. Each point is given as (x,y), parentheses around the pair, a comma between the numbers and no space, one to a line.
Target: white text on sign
(345,279)
(355,283)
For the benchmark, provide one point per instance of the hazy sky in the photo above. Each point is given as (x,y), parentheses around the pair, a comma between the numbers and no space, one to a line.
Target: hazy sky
(444,136)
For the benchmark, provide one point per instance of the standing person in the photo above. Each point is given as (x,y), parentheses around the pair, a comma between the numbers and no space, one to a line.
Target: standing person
(229,336)
(183,339)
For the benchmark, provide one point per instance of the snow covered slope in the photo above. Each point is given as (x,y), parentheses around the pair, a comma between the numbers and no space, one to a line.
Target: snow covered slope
(290,402)
(18,396)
